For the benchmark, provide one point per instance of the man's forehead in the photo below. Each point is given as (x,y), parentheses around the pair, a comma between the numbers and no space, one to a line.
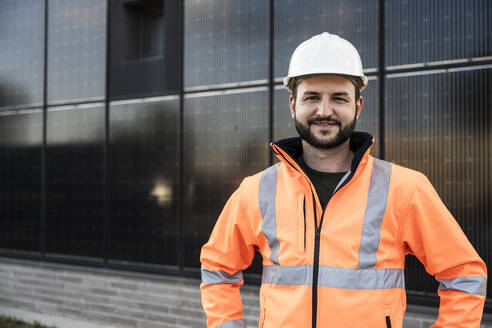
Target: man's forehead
(326,83)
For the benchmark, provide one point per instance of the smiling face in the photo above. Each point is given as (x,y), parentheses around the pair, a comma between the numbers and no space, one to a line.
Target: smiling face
(325,111)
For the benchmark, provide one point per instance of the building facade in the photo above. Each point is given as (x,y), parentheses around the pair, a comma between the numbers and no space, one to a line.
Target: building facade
(126,124)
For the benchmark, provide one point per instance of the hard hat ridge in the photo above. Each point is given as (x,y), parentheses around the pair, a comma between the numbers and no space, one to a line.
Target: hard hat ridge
(325,53)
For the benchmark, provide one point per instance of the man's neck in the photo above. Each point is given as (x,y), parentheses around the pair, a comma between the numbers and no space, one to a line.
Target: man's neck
(337,159)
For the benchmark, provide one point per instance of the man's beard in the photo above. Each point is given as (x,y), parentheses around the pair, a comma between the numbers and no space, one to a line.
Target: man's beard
(343,134)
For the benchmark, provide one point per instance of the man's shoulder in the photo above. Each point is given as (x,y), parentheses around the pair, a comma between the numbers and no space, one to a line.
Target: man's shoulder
(402,174)
(256,178)
(250,186)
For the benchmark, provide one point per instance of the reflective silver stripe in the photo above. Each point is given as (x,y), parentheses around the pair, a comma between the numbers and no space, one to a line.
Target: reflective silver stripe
(287,275)
(373,217)
(360,278)
(233,324)
(472,285)
(220,277)
(335,277)
(267,196)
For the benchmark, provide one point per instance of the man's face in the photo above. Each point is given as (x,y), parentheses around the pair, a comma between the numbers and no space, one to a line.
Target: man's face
(325,111)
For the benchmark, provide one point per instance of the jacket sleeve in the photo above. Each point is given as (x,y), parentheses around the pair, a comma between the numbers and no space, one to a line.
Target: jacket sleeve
(431,233)
(230,250)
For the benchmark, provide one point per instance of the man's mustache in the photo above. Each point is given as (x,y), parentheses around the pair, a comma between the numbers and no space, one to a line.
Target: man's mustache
(316,120)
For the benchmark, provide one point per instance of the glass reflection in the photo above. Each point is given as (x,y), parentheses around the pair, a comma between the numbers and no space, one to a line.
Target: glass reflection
(426,31)
(74,180)
(369,117)
(21,52)
(438,124)
(225,41)
(20,179)
(226,139)
(76,50)
(144,140)
(163,193)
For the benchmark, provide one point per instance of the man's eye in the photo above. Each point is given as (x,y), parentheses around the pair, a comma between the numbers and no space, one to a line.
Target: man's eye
(310,98)
(340,99)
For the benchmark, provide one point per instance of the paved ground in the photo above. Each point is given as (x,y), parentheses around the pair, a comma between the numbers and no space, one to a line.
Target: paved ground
(49,320)
(61,322)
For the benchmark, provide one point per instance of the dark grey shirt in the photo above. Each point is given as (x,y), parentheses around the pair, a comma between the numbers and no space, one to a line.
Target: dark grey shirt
(324,182)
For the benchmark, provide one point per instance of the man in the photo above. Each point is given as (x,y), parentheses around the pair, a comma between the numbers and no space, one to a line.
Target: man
(334,224)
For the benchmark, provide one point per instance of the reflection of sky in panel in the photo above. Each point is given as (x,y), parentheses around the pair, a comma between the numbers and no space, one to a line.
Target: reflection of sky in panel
(76,50)
(225,41)
(298,20)
(21,52)
(423,31)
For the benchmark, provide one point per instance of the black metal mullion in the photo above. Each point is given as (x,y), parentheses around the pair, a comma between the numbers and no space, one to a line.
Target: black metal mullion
(271,81)
(180,187)
(381,76)
(42,230)
(106,159)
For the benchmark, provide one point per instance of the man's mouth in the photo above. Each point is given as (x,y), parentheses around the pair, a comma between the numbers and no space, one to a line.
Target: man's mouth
(324,123)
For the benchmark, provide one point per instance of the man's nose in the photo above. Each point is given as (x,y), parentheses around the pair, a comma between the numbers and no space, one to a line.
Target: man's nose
(324,108)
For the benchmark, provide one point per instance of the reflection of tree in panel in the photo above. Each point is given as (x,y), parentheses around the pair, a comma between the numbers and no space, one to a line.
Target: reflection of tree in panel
(11,94)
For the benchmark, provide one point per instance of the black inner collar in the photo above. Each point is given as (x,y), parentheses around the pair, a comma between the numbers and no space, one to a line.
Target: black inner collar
(359,143)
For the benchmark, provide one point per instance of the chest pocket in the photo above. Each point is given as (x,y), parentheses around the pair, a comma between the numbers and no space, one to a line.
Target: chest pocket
(301,224)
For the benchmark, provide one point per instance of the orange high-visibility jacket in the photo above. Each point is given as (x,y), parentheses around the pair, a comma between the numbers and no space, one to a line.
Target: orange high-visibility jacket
(341,264)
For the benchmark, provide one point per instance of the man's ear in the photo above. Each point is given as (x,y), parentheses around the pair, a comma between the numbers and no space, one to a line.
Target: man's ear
(358,106)
(292,105)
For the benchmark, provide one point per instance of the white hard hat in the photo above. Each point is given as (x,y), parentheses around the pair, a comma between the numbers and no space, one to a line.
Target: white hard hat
(325,53)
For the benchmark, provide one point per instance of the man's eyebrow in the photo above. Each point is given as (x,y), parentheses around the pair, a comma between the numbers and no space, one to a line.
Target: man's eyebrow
(311,93)
(341,93)
(315,93)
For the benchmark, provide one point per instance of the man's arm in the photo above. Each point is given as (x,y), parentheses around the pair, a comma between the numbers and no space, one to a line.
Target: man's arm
(432,234)
(229,250)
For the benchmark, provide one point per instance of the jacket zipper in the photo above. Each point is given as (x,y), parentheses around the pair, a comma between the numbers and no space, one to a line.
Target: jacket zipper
(304,214)
(388,322)
(317,238)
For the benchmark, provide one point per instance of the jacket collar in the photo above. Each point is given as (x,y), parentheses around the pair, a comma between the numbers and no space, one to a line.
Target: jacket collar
(290,149)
